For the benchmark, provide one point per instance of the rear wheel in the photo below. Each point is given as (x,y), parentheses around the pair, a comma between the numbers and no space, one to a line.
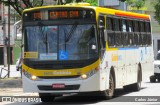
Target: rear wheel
(46,97)
(110,92)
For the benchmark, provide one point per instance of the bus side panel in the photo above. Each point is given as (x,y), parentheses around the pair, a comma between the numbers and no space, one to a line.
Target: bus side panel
(121,67)
(130,66)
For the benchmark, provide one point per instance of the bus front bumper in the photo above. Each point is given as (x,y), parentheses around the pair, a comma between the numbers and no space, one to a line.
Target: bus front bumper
(73,85)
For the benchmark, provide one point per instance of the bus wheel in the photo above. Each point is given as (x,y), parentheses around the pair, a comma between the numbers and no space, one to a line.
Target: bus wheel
(110,92)
(137,86)
(46,97)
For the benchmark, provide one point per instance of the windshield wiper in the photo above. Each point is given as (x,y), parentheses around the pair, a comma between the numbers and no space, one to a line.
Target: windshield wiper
(69,35)
(44,35)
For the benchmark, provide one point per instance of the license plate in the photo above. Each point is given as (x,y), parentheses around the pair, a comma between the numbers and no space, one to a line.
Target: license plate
(58,86)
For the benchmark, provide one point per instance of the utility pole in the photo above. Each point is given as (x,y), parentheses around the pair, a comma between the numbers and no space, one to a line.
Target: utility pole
(4,38)
(8,39)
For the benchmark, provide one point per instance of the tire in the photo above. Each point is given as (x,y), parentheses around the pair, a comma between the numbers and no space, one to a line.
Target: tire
(110,92)
(46,97)
(137,86)
(127,88)
(152,79)
(158,79)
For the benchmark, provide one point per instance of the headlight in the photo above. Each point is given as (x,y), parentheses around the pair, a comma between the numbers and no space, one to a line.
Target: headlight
(31,77)
(90,73)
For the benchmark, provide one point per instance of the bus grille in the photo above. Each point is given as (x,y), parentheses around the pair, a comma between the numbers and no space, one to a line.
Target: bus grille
(58,77)
(67,87)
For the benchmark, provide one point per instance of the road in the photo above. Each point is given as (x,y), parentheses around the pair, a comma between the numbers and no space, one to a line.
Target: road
(148,91)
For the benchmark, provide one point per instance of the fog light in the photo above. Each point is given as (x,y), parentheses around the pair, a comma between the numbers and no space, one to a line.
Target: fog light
(84,76)
(33,77)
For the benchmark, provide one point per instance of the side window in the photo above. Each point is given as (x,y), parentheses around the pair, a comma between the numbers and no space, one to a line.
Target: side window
(131,34)
(123,25)
(136,26)
(124,28)
(118,35)
(148,33)
(109,23)
(130,26)
(116,24)
(142,34)
(136,32)
(102,23)
(110,32)
(141,23)
(148,27)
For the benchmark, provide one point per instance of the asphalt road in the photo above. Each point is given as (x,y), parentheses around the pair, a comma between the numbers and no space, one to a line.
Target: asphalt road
(149,91)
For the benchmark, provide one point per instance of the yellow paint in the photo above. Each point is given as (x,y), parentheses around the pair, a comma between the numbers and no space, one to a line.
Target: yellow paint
(114,57)
(110,49)
(30,54)
(63,72)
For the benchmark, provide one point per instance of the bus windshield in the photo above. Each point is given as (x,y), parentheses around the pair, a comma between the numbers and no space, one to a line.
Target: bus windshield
(62,42)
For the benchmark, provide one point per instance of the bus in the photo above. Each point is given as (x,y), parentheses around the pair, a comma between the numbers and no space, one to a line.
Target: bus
(78,48)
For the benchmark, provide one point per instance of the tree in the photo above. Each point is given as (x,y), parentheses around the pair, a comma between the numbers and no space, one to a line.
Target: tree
(20,5)
(157,11)
(92,2)
(136,3)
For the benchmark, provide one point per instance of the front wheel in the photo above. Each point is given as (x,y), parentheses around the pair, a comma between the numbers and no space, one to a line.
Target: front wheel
(110,92)
(46,97)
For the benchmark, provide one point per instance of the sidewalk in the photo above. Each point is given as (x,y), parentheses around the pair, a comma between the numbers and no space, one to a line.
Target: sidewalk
(13,87)
(13,71)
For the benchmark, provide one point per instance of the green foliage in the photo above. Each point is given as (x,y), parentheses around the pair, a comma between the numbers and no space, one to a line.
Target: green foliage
(157,12)
(136,3)
(92,2)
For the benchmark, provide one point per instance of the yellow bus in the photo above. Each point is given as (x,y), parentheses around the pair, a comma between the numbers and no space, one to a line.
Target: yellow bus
(78,48)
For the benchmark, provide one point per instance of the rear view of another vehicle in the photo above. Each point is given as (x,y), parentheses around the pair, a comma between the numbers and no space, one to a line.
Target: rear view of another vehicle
(156,75)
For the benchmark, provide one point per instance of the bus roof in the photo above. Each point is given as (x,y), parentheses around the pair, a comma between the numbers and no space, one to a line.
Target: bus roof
(101,10)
